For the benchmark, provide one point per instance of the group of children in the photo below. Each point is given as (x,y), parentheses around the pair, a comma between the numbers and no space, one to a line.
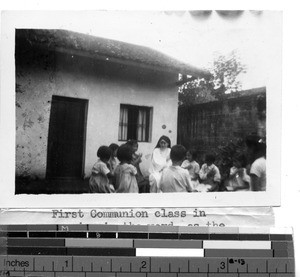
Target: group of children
(172,169)
(185,174)
(117,170)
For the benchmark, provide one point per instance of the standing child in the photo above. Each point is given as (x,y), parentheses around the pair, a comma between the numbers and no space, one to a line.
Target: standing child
(175,178)
(192,166)
(99,180)
(143,182)
(125,172)
(256,148)
(113,161)
(210,174)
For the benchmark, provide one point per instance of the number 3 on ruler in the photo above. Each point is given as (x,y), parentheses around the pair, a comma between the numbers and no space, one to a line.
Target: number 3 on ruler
(222,265)
(144,264)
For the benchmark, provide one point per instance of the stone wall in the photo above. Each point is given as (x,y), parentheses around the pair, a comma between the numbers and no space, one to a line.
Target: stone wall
(210,125)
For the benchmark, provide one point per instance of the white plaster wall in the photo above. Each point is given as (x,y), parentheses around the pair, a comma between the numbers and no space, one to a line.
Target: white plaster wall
(103,114)
(32,121)
(105,94)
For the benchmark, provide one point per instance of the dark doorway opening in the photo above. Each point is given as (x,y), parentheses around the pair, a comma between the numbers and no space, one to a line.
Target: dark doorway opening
(66,138)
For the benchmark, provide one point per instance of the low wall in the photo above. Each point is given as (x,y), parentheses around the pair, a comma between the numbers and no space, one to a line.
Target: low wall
(210,125)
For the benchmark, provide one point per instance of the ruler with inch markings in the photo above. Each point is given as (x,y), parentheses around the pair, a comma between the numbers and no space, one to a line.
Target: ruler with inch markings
(144,251)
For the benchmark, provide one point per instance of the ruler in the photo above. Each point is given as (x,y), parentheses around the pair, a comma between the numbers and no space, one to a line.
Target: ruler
(145,251)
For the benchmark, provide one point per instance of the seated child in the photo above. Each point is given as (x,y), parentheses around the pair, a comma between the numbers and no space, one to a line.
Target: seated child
(99,180)
(175,178)
(125,172)
(238,178)
(143,182)
(192,166)
(113,161)
(210,174)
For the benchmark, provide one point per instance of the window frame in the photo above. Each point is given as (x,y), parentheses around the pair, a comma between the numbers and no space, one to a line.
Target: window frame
(149,115)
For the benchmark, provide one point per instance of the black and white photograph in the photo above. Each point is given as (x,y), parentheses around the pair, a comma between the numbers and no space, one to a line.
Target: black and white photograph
(153,108)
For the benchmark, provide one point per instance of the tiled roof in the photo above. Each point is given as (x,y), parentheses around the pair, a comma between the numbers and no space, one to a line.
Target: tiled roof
(108,49)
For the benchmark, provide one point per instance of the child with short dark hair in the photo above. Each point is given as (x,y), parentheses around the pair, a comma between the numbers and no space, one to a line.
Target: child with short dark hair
(238,177)
(192,166)
(99,180)
(175,178)
(143,182)
(136,157)
(125,172)
(113,161)
(210,174)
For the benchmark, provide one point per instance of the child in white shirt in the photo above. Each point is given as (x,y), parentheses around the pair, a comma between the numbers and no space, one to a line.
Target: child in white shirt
(125,172)
(175,178)
(210,174)
(256,148)
(238,178)
(143,182)
(192,166)
(113,161)
(99,180)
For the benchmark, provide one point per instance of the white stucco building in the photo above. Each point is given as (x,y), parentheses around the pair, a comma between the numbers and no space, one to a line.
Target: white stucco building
(76,92)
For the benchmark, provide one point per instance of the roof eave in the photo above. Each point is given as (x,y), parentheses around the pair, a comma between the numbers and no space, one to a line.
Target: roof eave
(106,58)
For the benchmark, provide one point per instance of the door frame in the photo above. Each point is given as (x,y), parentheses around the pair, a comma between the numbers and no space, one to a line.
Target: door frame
(85,114)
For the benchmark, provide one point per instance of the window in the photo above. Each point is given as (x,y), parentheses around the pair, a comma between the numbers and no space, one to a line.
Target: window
(134,123)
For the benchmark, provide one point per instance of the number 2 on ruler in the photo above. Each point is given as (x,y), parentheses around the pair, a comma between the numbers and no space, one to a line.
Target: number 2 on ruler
(144,264)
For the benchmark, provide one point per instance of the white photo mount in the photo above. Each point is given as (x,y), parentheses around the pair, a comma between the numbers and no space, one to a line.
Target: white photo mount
(49,20)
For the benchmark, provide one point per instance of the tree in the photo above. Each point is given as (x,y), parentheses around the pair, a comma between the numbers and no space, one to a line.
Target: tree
(222,84)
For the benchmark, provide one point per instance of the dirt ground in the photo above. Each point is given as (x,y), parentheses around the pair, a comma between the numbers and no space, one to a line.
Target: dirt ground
(29,186)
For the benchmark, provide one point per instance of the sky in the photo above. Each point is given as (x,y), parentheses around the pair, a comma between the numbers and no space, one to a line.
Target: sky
(193,38)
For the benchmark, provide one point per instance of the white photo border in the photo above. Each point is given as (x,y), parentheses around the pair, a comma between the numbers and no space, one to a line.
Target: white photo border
(8,199)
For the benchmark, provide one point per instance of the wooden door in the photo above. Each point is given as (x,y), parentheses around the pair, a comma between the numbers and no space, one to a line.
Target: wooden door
(66,138)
